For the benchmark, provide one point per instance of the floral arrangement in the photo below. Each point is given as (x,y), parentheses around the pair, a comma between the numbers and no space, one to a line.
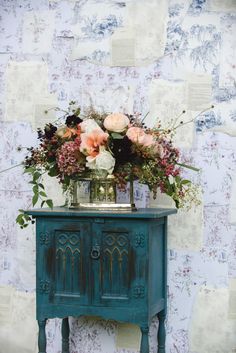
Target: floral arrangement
(118,144)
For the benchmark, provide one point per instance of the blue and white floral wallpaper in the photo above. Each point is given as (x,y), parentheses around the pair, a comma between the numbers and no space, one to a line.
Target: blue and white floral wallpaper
(54,51)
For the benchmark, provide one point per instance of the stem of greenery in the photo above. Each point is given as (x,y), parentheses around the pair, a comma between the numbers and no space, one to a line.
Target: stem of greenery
(14,166)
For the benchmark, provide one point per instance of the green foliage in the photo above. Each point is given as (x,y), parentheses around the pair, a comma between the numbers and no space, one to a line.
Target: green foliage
(49,203)
(77,112)
(53,171)
(38,194)
(23,219)
(117,136)
(188,167)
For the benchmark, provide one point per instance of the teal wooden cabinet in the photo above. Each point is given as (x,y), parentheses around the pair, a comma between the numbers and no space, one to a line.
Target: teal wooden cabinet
(106,264)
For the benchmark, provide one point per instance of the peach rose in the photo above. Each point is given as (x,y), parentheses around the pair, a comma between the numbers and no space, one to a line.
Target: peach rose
(138,135)
(116,122)
(158,148)
(90,142)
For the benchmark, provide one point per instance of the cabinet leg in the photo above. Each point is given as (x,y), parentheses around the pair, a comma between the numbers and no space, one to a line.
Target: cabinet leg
(65,332)
(161,334)
(144,341)
(42,341)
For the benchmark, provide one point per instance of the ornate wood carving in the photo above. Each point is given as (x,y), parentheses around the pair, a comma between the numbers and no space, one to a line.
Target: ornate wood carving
(68,244)
(115,271)
(138,291)
(44,238)
(139,240)
(114,242)
(44,286)
(68,261)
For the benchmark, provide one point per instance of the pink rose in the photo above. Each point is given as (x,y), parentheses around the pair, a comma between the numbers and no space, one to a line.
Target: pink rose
(116,122)
(90,142)
(138,135)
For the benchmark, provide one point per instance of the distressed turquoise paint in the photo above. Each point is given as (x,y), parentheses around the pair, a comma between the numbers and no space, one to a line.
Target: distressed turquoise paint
(106,264)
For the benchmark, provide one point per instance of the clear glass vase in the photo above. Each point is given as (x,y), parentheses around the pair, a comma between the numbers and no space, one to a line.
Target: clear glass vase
(102,188)
(79,193)
(103,191)
(100,192)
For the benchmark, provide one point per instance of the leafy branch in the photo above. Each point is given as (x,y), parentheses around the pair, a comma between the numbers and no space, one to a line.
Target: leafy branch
(38,194)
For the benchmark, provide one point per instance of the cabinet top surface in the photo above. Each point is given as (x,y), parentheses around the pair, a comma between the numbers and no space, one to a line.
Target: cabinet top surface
(150,213)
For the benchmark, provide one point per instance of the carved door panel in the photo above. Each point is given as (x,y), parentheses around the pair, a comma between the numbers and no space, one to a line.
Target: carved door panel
(66,244)
(121,265)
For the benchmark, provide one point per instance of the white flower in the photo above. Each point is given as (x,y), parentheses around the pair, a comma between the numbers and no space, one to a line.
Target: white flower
(103,160)
(116,122)
(88,125)
(171,179)
(61,131)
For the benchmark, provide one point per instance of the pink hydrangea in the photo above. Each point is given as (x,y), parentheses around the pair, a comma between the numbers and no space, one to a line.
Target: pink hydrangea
(69,158)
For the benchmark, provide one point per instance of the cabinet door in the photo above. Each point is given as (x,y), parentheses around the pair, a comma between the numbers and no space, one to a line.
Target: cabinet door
(62,261)
(119,272)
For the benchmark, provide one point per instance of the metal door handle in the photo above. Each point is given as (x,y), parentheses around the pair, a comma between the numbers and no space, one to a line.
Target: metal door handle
(95,252)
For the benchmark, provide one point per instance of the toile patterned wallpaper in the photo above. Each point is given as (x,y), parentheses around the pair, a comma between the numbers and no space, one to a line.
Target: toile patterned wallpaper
(69,40)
